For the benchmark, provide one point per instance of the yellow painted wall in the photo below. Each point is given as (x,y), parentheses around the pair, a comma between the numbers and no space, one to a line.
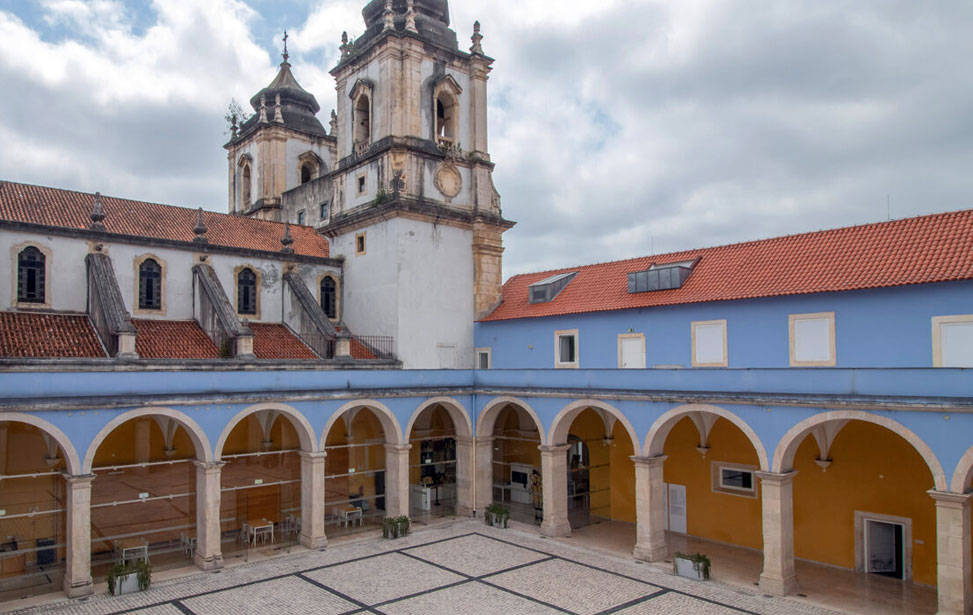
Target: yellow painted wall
(365,427)
(622,476)
(873,470)
(718,516)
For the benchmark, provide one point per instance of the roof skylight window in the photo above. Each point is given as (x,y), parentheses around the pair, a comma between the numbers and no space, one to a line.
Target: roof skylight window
(548,288)
(660,276)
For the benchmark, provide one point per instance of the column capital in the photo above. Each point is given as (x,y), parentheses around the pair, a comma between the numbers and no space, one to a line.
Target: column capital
(312,456)
(947,499)
(468,440)
(649,462)
(776,478)
(550,450)
(208,466)
(398,448)
(483,440)
(79,480)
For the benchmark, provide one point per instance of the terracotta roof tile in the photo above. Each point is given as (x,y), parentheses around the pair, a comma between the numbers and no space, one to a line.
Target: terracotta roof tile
(360,350)
(274,341)
(936,248)
(25,334)
(173,339)
(67,208)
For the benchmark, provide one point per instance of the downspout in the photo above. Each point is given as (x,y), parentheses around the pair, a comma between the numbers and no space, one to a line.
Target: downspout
(473,452)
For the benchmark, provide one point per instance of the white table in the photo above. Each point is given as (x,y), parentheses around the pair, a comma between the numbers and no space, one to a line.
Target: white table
(260,527)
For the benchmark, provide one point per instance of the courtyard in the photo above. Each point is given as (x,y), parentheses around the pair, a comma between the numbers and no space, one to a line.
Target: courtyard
(457,568)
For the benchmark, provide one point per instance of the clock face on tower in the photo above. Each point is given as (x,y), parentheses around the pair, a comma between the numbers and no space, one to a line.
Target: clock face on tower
(448,180)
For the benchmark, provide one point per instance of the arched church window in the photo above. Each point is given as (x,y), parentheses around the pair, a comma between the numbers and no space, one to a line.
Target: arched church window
(150,285)
(363,127)
(245,200)
(246,291)
(306,173)
(31,275)
(445,116)
(329,297)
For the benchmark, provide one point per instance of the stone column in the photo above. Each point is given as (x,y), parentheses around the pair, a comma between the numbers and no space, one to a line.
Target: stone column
(209,555)
(650,509)
(397,479)
(952,552)
(777,499)
(554,479)
(484,472)
(143,429)
(312,500)
(464,476)
(77,568)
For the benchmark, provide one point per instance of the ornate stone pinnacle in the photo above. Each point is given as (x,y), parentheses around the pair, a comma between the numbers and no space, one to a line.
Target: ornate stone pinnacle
(389,16)
(200,228)
(278,116)
(263,109)
(285,47)
(334,123)
(97,214)
(345,46)
(287,240)
(476,38)
(410,17)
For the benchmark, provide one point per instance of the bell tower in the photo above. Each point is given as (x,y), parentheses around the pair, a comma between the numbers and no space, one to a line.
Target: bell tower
(415,212)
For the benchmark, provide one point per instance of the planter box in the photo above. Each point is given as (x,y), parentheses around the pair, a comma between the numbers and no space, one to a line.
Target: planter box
(126,584)
(685,568)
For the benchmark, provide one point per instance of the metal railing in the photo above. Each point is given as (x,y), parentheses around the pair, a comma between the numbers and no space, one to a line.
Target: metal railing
(372,347)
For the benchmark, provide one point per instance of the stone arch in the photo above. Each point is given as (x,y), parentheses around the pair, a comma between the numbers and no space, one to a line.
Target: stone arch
(71,459)
(461,418)
(562,422)
(787,447)
(301,425)
(196,433)
(488,416)
(964,472)
(656,439)
(390,424)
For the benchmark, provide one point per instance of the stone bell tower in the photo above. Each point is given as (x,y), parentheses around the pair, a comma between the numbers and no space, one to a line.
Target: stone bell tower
(415,212)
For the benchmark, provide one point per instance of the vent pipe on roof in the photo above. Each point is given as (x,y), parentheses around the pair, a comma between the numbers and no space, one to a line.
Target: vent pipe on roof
(97,214)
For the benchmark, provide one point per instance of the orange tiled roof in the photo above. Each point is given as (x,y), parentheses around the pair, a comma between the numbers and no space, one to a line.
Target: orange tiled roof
(173,339)
(274,341)
(360,350)
(936,248)
(67,208)
(26,334)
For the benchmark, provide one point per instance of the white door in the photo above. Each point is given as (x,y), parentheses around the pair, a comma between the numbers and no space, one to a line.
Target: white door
(677,508)
(882,556)
(633,354)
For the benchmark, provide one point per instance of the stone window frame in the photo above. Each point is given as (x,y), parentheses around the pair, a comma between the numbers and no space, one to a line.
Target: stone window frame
(361,184)
(485,350)
(362,87)
(558,363)
(905,522)
(15,266)
(624,336)
(236,290)
(704,323)
(312,160)
(136,305)
(361,243)
(716,472)
(792,320)
(937,334)
(447,86)
(245,165)
(337,294)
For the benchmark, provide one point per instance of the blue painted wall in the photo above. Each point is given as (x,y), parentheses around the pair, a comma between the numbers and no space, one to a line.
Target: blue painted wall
(889,327)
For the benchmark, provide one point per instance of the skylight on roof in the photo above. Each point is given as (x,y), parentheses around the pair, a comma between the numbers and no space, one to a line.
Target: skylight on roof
(660,276)
(548,288)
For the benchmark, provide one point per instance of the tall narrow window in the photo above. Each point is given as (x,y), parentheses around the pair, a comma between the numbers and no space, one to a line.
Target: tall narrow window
(305,173)
(329,297)
(150,285)
(30,275)
(363,126)
(566,348)
(246,292)
(445,116)
(245,201)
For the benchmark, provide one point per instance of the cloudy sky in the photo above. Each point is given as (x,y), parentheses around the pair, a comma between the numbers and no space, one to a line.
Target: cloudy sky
(619,128)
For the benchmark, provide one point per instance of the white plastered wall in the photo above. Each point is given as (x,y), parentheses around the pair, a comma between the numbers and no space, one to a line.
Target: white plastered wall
(65,269)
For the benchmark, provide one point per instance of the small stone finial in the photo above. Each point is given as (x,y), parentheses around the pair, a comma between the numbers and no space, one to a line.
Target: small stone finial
(345,45)
(476,38)
(233,126)
(334,123)
(389,16)
(97,214)
(278,116)
(263,109)
(285,47)
(410,17)
(200,228)
(287,240)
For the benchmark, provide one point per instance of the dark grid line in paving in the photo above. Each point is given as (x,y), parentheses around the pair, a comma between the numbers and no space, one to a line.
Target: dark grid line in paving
(182,607)
(363,608)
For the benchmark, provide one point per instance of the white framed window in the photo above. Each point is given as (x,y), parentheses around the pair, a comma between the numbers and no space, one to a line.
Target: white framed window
(484,360)
(709,343)
(631,351)
(952,341)
(812,340)
(566,350)
(734,479)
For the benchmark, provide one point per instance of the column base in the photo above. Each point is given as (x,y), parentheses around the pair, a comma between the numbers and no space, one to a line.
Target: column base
(463,511)
(777,586)
(556,529)
(313,542)
(649,553)
(78,588)
(213,562)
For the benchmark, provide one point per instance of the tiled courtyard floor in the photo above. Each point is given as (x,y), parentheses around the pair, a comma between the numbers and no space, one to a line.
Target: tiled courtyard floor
(464,568)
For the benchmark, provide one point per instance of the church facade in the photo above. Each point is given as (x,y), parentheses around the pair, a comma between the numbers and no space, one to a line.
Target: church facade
(338,349)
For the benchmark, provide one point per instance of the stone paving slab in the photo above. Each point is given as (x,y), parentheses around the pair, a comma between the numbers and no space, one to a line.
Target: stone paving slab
(465,568)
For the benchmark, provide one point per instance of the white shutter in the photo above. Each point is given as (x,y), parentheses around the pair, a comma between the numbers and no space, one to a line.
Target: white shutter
(881,546)
(677,508)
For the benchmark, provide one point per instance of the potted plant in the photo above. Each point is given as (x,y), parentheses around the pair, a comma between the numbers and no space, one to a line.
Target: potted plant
(395,527)
(129,577)
(692,566)
(496,515)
